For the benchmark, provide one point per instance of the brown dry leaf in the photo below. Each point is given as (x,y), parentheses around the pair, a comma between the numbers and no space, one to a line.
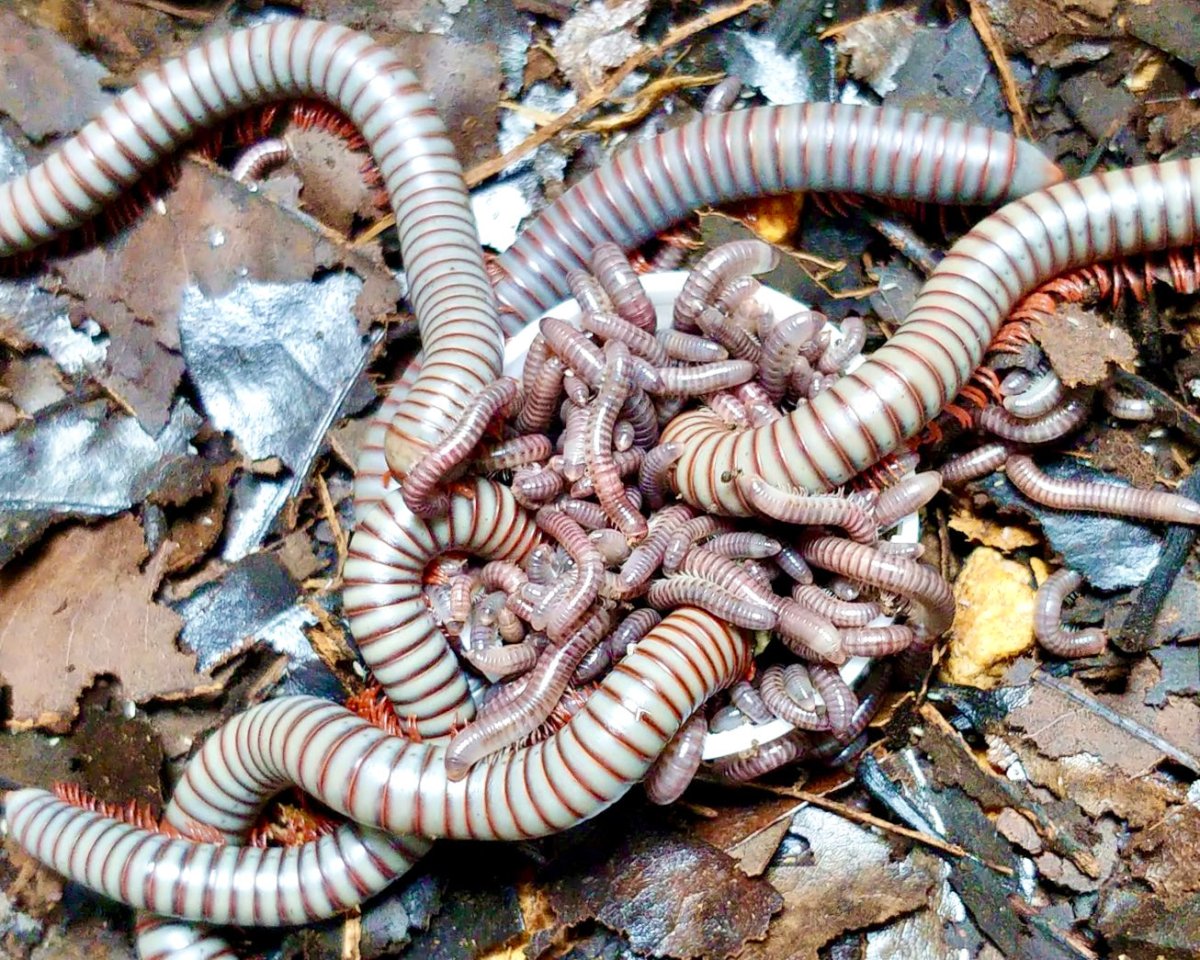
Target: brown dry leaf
(296,555)
(746,827)
(215,233)
(669,894)
(994,622)
(1048,34)
(37,888)
(82,608)
(331,185)
(598,38)
(140,370)
(1062,726)
(198,530)
(1005,537)
(1080,345)
(46,85)
(854,879)
(1121,452)
(878,45)
(1084,780)
(127,35)
(1167,855)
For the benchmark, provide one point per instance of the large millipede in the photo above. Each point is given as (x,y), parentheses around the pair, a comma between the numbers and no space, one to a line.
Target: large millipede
(388,783)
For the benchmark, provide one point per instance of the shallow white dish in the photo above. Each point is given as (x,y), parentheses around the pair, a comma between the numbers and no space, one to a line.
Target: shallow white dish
(662,289)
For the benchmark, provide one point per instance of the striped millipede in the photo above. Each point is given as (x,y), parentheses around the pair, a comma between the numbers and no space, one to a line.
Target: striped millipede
(1047,619)
(260,158)
(395,633)
(908,578)
(678,763)
(755,152)
(1108,498)
(467,394)
(455,307)
(401,787)
(221,883)
(543,690)
(943,338)
(1067,416)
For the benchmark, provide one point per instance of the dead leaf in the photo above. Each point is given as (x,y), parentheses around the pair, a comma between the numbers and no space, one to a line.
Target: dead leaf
(214,233)
(851,879)
(994,619)
(46,86)
(878,45)
(598,38)
(83,460)
(1005,537)
(1062,726)
(1098,789)
(83,608)
(296,555)
(747,827)
(670,894)
(1124,453)
(1080,345)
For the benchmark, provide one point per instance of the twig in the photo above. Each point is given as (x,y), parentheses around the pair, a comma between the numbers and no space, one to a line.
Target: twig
(1008,84)
(1102,144)
(860,816)
(173,10)
(331,517)
(489,168)
(1122,722)
(1136,633)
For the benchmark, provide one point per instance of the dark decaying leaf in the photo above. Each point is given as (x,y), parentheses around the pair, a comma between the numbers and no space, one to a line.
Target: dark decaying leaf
(477,909)
(836,876)
(670,894)
(83,460)
(86,607)
(117,758)
(1153,909)
(255,602)
(1170,25)
(389,921)
(222,618)
(948,72)
(1180,668)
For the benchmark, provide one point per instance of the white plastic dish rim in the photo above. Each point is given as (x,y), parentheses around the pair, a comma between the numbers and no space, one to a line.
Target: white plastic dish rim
(663,288)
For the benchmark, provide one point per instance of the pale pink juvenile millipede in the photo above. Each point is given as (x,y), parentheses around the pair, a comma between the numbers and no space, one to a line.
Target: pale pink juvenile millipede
(746,153)
(401,787)
(1047,619)
(1098,497)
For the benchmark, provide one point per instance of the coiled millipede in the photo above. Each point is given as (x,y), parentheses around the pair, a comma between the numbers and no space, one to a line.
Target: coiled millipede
(737,453)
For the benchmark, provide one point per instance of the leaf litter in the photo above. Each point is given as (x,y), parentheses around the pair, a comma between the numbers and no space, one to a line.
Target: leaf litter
(181,400)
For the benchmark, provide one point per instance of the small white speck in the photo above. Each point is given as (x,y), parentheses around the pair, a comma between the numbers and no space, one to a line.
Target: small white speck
(216,237)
